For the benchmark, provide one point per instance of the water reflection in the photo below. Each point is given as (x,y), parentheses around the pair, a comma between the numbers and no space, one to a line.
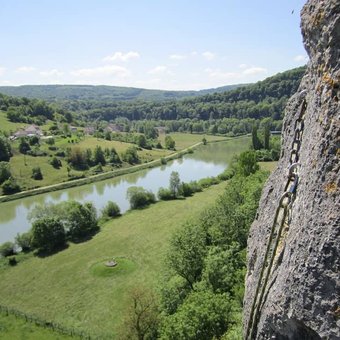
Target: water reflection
(206,161)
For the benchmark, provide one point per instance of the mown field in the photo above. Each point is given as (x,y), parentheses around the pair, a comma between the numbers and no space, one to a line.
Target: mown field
(75,289)
(13,328)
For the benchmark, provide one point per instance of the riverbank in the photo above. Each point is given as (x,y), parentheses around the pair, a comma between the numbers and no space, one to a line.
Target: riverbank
(99,177)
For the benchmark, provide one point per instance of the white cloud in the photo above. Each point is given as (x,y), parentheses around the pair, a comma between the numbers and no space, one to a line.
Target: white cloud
(102,71)
(120,56)
(218,74)
(208,55)
(177,56)
(254,70)
(161,69)
(301,58)
(2,70)
(49,73)
(25,69)
(243,66)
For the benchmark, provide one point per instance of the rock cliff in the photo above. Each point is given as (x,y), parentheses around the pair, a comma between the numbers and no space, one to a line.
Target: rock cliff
(293,278)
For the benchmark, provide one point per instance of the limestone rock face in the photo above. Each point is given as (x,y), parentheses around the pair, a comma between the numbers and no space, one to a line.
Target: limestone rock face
(300,293)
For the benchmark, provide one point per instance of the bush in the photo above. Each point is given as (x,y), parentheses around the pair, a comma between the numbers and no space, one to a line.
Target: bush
(5,172)
(36,173)
(207,182)
(56,163)
(7,249)
(195,187)
(165,194)
(52,148)
(60,153)
(163,161)
(24,241)
(10,186)
(48,234)
(186,189)
(226,174)
(36,153)
(111,210)
(139,197)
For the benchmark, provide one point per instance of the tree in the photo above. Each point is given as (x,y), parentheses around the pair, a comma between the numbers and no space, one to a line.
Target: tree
(169,143)
(36,173)
(5,149)
(77,158)
(114,157)
(98,156)
(255,139)
(24,146)
(10,186)
(5,172)
(175,184)
(139,197)
(247,163)
(79,220)
(55,162)
(141,141)
(130,155)
(203,315)
(187,251)
(266,136)
(48,234)
(142,319)
(24,241)
(111,210)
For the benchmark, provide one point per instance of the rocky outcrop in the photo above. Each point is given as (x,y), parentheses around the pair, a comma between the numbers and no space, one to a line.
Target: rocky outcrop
(295,282)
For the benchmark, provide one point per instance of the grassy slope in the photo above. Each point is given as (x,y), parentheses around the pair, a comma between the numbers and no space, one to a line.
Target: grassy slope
(64,288)
(13,328)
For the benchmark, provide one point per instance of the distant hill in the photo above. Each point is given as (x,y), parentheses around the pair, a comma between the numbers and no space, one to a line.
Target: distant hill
(103,92)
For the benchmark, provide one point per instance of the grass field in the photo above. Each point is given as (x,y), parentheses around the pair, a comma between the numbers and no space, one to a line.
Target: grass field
(75,289)
(22,165)
(12,328)
(270,166)
(185,140)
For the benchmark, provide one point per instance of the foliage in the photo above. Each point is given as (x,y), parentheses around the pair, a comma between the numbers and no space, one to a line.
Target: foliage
(98,156)
(139,197)
(78,220)
(165,194)
(203,315)
(169,143)
(77,158)
(5,149)
(10,186)
(247,163)
(187,251)
(142,318)
(56,163)
(36,173)
(24,241)
(174,184)
(205,266)
(7,249)
(24,146)
(5,172)
(48,234)
(111,210)
(130,155)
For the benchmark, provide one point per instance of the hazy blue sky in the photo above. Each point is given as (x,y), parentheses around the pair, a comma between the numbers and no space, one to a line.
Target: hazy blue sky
(166,44)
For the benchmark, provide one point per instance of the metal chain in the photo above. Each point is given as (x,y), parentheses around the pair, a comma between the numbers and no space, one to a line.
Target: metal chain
(281,223)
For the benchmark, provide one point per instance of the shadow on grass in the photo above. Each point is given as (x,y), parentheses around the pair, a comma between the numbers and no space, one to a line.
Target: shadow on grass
(42,253)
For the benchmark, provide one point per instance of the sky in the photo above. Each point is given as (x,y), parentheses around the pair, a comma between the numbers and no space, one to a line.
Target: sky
(156,44)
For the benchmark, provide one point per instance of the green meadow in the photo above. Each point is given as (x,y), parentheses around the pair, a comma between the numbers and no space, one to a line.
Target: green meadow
(76,289)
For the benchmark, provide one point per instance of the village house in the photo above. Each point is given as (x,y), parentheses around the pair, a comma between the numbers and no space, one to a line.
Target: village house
(114,128)
(29,131)
(89,130)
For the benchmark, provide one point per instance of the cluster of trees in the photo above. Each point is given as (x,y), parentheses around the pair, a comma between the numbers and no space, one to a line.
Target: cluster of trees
(202,288)
(53,225)
(83,159)
(30,110)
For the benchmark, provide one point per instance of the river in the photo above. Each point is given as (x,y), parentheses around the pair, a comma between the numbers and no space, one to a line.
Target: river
(207,160)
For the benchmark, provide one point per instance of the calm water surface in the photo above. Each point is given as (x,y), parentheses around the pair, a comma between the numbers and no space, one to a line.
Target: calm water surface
(206,161)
